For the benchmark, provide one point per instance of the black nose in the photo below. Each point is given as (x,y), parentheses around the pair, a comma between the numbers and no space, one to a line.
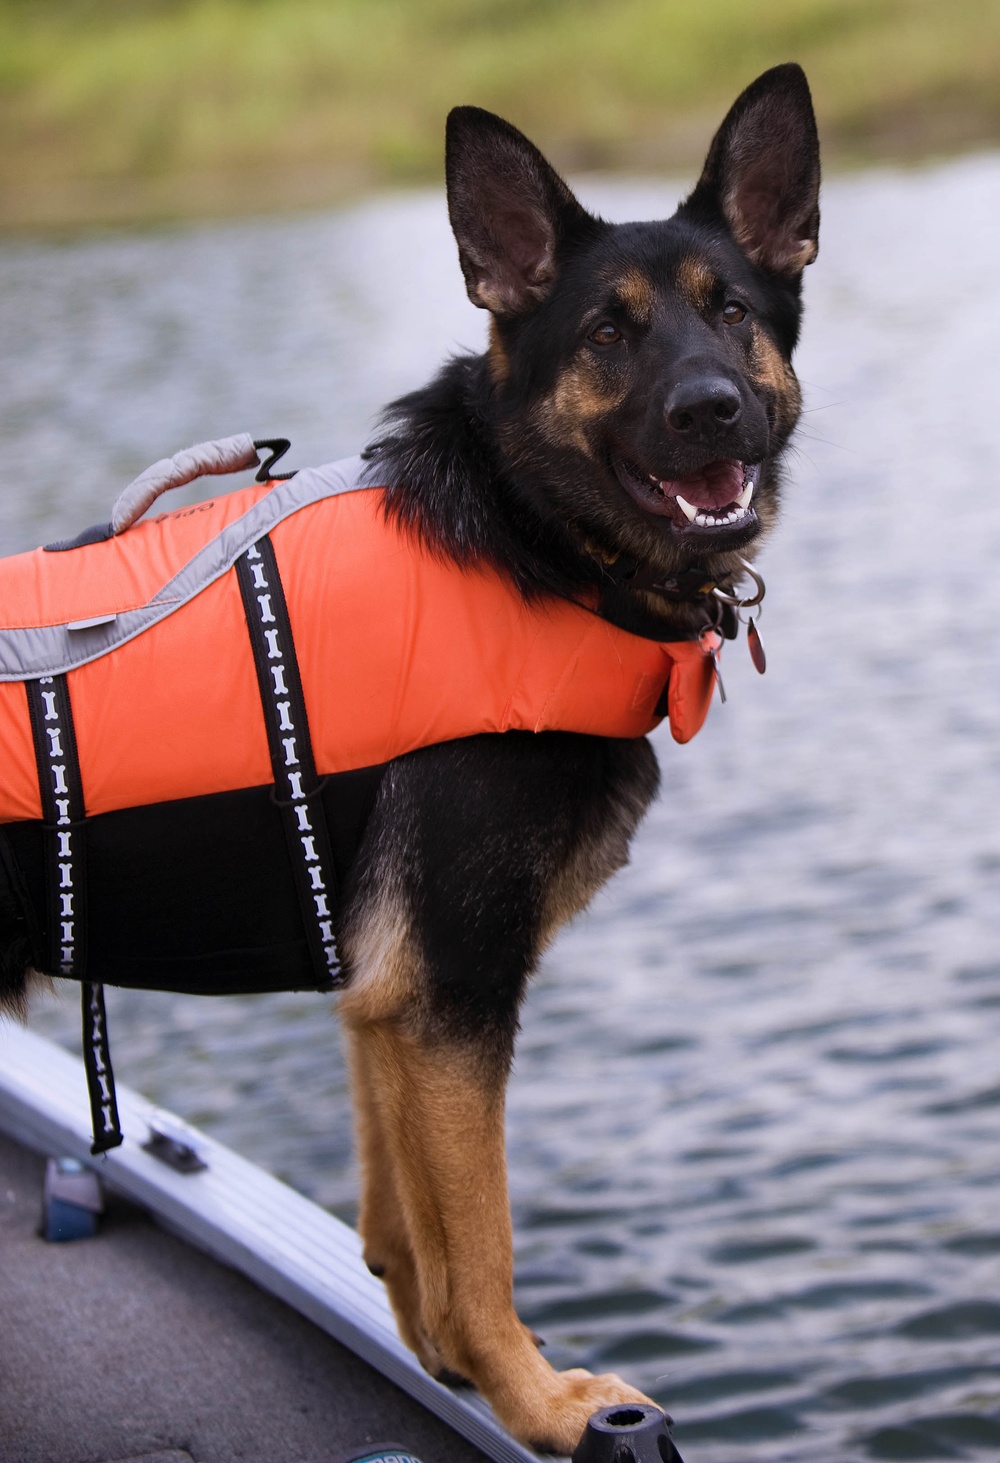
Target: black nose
(700,405)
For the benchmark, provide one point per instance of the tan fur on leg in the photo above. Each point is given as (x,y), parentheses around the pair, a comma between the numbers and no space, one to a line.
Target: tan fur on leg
(442,1123)
(386,976)
(381,1221)
(435,1212)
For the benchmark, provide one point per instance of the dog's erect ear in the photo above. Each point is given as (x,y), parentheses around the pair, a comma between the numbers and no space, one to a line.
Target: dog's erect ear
(509,210)
(762,173)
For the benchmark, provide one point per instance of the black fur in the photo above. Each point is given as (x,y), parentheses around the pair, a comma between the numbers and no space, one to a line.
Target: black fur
(491,821)
(632,369)
(486,470)
(474,469)
(488,825)
(16,938)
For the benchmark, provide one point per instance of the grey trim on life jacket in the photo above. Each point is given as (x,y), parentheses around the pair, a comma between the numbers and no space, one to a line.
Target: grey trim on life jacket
(50,650)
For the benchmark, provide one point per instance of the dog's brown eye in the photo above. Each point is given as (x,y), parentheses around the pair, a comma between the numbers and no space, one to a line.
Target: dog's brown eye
(734,313)
(605,334)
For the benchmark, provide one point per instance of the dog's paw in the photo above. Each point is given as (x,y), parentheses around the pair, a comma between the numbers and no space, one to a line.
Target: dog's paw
(554,1423)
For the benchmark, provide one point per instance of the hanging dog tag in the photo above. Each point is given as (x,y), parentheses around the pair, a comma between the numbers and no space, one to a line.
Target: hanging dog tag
(756,648)
(711,646)
(711,643)
(718,675)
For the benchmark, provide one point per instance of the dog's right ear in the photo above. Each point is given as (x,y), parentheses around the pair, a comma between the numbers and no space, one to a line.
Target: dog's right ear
(510,212)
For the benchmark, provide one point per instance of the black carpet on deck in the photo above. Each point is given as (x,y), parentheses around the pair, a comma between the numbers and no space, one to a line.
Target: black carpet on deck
(134,1348)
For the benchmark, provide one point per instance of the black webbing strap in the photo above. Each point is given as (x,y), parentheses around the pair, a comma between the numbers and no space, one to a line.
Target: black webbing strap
(296,786)
(100,1077)
(63,816)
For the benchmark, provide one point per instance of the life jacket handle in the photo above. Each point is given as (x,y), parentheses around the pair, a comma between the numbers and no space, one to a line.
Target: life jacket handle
(228,454)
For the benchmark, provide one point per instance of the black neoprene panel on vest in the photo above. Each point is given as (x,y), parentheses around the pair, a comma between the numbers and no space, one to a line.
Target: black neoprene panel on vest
(198,894)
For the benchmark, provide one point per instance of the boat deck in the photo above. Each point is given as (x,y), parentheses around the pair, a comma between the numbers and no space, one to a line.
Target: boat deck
(216,1315)
(135,1346)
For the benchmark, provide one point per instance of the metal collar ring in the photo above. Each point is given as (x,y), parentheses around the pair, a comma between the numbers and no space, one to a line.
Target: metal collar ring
(735,600)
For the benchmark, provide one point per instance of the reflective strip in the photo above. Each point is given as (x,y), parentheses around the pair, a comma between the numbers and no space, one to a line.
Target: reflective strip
(65,849)
(63,817)
(298,791)
(52,650)
(104,1120)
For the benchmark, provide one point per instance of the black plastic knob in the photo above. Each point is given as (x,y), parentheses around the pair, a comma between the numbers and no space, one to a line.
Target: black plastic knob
(627,1435)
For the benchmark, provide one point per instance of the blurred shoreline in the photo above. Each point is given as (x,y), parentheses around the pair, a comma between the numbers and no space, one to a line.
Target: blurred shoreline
(145,112)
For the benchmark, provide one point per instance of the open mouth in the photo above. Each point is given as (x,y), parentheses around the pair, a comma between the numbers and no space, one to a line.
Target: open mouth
(716,496)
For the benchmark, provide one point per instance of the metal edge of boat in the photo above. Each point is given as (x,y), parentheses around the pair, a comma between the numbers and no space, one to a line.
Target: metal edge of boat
(239,1214)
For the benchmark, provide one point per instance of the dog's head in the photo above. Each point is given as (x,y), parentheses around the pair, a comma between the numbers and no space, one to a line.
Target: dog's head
(641,371)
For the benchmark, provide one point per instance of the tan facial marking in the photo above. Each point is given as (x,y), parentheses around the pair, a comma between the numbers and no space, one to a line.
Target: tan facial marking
(578,399)
(696,282)
(499,365)
(635,293)
(770,370)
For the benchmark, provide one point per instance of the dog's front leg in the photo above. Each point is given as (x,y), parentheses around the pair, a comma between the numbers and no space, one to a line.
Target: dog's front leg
(382,1218)
(474,853)
(439,1124)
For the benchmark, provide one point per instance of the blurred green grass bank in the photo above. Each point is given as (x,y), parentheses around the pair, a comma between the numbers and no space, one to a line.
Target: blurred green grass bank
(150,109)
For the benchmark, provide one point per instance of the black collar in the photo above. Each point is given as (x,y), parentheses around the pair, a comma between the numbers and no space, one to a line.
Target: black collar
(722,603)
(693,586)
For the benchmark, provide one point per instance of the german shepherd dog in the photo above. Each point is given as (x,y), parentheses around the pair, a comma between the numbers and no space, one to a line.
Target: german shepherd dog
(617,443)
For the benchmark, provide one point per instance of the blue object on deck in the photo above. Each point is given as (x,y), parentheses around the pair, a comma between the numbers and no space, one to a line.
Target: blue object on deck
(72,1201)
(385,1453)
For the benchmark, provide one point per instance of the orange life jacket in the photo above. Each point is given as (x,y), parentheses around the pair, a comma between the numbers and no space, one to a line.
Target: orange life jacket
(195,713)
(398,648)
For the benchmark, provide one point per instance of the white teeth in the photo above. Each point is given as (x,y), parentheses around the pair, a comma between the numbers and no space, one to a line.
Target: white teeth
(713,521)
(710,518)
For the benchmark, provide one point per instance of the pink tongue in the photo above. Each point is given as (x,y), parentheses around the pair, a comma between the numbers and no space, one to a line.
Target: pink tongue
(713,486)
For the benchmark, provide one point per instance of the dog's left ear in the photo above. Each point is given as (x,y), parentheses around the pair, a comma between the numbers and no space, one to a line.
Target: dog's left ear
(510,212)
(762,173)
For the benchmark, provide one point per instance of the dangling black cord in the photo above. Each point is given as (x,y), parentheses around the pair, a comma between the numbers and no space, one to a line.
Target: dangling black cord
(104,1119)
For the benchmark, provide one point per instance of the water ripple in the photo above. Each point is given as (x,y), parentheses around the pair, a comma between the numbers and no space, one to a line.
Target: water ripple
(753,1125)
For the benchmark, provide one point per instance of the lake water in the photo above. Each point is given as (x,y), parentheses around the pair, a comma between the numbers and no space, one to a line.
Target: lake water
(755,1116)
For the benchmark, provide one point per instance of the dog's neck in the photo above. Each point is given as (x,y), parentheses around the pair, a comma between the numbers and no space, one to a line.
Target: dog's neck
(660,606)
(446,479)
